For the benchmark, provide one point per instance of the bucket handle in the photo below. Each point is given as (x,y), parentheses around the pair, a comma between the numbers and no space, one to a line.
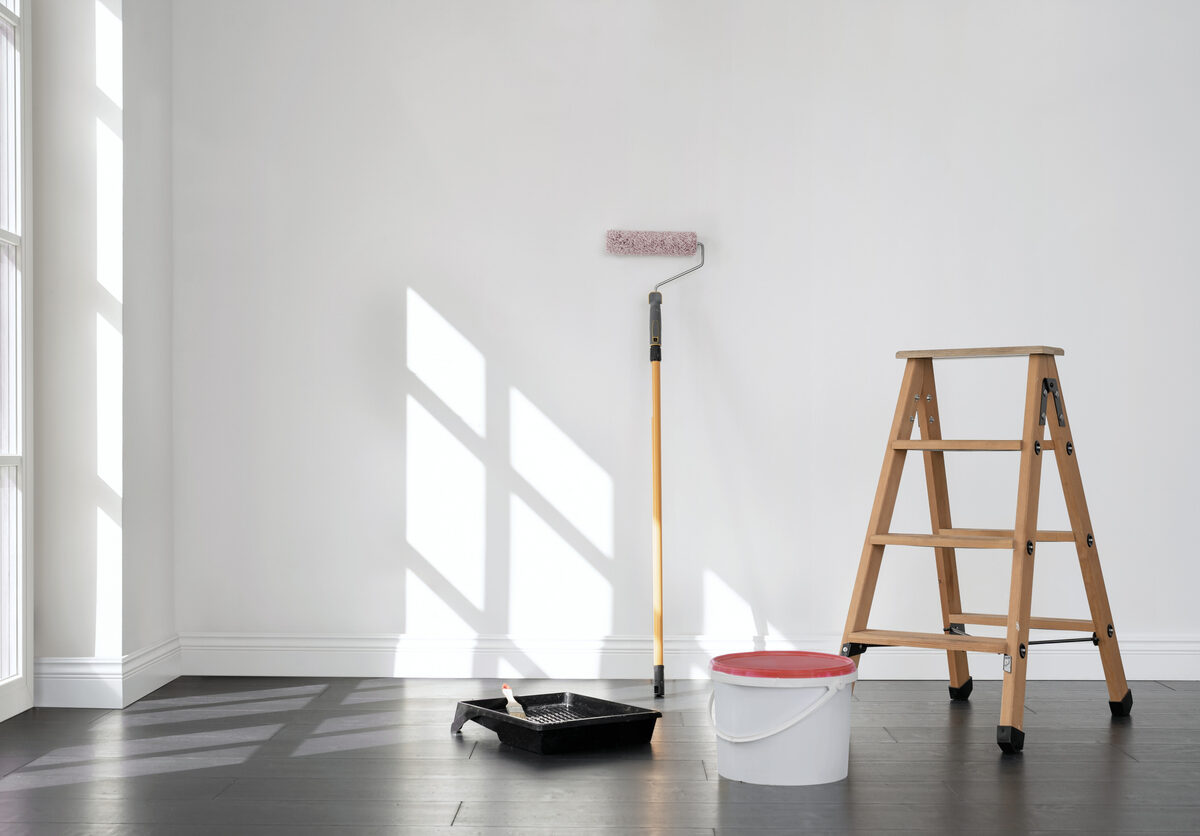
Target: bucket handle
(830,692)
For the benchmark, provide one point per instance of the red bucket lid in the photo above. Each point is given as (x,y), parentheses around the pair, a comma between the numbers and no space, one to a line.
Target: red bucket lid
(783,664)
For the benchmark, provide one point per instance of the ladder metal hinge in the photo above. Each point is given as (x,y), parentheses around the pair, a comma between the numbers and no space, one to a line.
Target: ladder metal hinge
(854,649)
(1050,387)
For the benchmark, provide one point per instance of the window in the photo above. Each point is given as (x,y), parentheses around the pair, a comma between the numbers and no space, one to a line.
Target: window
(13,623)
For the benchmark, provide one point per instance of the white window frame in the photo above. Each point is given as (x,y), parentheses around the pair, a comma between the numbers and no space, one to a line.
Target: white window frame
(17,692)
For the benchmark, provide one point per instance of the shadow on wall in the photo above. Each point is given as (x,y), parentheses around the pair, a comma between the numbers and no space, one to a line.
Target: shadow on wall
(547,567)
(510,524)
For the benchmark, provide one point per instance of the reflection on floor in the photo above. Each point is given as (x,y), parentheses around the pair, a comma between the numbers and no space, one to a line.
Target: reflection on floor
(208,755)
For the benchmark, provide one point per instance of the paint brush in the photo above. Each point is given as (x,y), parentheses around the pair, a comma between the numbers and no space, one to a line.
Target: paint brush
(514,707)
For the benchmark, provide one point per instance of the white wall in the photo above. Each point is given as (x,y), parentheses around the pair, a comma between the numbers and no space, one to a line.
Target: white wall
(411,389)
(104,613)
(66,301)
(149,585)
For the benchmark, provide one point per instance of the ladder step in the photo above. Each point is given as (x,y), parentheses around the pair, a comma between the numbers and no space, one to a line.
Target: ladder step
(953,541)
(939,641)
(964,444)
(948,444)
(1043,536)
(1082,625)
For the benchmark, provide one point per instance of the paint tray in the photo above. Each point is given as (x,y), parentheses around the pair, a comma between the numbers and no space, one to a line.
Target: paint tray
(560,723)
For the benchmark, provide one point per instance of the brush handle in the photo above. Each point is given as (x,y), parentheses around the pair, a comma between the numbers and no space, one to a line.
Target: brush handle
(655,326)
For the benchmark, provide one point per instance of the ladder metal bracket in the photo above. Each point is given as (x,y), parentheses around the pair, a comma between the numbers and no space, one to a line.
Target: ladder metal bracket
(956,629)
(854,649)
(1094,639)
(1007,663)
(1050,387)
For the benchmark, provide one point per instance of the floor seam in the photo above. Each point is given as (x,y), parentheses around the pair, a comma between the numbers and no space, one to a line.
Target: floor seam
(455,817)
(224,789)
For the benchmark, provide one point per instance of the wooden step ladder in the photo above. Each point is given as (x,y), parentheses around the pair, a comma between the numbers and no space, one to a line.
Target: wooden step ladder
(1044,408)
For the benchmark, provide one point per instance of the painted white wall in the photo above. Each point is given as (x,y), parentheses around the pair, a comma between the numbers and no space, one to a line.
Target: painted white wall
(149,586)
(411,390)
(105,629)
(67,298)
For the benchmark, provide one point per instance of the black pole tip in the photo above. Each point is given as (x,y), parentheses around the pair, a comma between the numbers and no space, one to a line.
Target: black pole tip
(660,685)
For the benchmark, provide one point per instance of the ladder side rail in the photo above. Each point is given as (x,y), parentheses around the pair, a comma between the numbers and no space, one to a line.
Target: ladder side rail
(885,504)
(1010,734)
(1119,695)
(939,517)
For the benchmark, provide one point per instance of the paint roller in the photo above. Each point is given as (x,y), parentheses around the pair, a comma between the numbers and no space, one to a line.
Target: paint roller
(641,242)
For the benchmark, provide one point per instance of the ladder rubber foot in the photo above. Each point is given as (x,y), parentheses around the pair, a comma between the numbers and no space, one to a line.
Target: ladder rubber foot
(963,692)
(1122,708)
(660,685)
(1011,740)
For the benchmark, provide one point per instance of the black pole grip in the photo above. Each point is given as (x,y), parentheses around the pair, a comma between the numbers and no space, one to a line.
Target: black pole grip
(655,326)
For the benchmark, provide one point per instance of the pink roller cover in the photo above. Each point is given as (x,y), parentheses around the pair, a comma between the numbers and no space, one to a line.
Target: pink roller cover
(640,242)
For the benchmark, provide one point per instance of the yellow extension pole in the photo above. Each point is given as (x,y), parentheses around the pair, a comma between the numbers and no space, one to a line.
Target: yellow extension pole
(656,469)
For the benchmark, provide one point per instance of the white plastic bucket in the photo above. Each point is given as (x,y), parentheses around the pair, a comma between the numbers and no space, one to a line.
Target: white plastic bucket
(782,717)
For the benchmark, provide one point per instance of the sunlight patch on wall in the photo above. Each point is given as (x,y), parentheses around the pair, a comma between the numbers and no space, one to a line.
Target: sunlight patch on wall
(561,471)
(427,614)
(725,612)
(446,362)
(553,590)
(109,408)
(109,46)
(445,505)
(109,207)
(108,586)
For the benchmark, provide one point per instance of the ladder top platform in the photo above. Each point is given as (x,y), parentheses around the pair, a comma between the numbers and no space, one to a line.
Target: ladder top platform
(1000,351)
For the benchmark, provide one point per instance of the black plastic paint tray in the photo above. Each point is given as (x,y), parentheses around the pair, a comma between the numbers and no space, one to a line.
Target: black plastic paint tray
(562,722)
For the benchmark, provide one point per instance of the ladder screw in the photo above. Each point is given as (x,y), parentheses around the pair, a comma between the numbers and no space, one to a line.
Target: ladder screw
(916,397)
(1070,448)
(912,418)
(1110,631)
(929,397)
(1021,650)
(1037,448)
(1091,541)
(931,419)
(1028,547)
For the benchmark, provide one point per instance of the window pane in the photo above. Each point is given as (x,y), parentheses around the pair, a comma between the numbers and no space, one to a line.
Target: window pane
(10,517)
(13,6)
(10,355)
(10,86)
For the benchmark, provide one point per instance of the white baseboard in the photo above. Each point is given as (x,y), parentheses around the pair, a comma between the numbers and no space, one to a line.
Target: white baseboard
(92,682)
(78,682)
(150,668)
(98,682)
(624,657)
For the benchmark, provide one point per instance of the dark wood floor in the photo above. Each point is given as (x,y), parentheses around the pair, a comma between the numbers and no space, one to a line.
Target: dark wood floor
(351,756)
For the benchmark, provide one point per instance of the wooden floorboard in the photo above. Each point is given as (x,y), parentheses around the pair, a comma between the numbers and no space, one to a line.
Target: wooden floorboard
(352,756)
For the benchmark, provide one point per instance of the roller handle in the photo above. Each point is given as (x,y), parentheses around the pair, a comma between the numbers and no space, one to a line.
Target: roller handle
(655,326)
